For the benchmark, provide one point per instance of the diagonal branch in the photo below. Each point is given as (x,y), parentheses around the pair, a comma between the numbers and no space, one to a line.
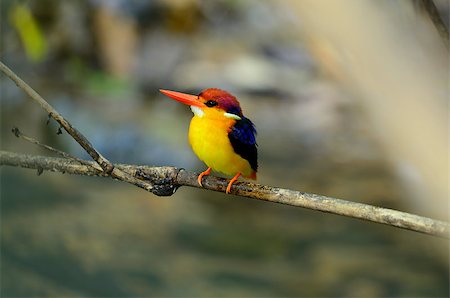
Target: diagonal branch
(164,181)
(19,134)
(430,8)
(104,163)
(168,179)
(81,139)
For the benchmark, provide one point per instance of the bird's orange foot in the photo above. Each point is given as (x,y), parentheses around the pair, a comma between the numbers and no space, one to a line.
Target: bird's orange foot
(205,173)
(232,181)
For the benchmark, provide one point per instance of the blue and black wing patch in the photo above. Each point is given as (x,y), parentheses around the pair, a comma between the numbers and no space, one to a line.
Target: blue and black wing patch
(242,138)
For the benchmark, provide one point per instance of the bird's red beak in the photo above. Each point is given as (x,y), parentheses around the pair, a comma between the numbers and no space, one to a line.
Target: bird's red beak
(188,99)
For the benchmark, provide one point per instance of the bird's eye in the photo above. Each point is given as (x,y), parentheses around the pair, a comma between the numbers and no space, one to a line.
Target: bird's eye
(211,103)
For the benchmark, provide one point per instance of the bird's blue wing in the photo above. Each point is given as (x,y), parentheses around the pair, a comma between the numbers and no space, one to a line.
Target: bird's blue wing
(243,140)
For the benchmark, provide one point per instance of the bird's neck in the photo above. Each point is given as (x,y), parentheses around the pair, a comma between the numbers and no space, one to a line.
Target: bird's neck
(213,117)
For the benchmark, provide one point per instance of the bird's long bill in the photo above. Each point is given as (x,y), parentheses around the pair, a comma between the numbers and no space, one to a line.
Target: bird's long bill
(188,99)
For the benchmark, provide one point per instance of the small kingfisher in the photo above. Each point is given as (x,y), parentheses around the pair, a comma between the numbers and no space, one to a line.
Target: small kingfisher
(220,135)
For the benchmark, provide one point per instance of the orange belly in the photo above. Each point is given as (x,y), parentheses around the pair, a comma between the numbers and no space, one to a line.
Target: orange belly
(209,140)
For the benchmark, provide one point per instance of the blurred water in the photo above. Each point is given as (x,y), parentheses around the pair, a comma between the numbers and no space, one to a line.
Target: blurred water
(64,235)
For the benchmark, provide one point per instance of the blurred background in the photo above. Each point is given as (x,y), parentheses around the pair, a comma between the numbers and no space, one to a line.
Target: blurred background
(350,100)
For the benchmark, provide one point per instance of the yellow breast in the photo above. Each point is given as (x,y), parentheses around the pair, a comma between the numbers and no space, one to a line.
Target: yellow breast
(208,136)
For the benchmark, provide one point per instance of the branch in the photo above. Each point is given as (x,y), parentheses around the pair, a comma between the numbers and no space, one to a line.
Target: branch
(168,179)
(430,8)
(105,164)
(164,181)
(19,134)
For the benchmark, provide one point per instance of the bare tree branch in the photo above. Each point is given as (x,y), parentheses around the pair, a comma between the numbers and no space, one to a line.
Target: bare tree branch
(164,181)
(19,134)
(105,164)
(431,10)
(169,179)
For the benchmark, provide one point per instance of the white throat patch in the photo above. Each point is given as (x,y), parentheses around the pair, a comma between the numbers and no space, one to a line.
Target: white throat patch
(232,116)
(197,111)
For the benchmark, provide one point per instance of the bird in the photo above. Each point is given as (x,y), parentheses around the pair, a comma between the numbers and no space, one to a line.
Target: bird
(220,135)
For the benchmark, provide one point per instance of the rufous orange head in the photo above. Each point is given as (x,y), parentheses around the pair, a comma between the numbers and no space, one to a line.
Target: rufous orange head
(209,102)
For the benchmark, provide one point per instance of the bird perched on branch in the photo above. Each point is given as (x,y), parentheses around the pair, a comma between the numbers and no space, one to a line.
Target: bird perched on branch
(219,134)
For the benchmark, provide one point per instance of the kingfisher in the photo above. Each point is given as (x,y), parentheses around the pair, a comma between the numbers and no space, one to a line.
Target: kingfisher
(219,134)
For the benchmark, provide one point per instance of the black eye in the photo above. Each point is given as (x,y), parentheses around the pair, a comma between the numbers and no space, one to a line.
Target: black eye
(211,103)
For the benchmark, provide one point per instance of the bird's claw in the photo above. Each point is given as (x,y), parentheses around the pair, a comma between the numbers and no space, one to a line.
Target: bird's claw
(204,173)
(231,183)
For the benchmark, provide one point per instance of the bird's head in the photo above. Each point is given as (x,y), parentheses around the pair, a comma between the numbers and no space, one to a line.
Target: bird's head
(210,103)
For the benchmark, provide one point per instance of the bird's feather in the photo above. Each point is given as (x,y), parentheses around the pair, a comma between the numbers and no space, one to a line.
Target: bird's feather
(242,138)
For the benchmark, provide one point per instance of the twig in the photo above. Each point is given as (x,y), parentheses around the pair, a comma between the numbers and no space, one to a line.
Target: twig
(164,181)
(105,164)
(168,179)
(432,11)
(102,161)
(19,134)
